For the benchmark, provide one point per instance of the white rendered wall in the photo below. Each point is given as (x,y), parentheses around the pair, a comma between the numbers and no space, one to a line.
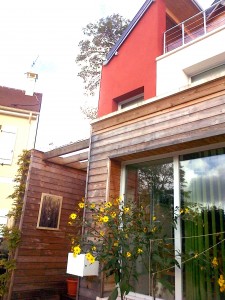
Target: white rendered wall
(175,68)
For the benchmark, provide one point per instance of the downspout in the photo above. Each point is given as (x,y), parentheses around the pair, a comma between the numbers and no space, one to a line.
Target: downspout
(85,199)
(35,138)
(28,134)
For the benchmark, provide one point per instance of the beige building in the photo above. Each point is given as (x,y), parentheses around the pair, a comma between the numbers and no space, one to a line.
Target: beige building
(19,114)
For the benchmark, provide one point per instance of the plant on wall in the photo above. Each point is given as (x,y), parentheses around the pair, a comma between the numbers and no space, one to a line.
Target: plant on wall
(117,233)
(11,235)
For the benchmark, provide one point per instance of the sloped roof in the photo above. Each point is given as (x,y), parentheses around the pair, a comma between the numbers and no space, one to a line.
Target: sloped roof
(17,99)
(128,30)
(195,7)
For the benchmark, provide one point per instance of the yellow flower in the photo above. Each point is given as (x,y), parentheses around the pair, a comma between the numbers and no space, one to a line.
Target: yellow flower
(100,219)
(118,200)
(73,216)
(81,205)
(116,244)
(128,254)
(108,204)
(92,206)
(113,214)
(221,283)
(139,251)
(154,229)
(181,211)
(145,229)
(76,250)
(93,248)
(90,258)
(186,211)
(102,233)
(105,219)
(126,209)
(215,262)
(153,218)
(102,209)
(88,255)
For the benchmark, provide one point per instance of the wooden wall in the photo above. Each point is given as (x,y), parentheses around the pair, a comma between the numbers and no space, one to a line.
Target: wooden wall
(192,118)
(42,255)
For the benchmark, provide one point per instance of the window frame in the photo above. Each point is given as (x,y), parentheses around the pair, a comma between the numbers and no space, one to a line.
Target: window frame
(131,102)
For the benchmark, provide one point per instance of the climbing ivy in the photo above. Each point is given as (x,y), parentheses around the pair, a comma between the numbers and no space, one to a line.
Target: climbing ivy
(12,235)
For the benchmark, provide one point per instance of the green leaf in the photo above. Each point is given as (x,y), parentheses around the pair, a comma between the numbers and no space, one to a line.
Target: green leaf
(114,294)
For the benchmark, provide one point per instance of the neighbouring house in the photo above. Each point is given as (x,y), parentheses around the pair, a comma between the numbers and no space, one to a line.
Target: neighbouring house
(160,136)
(19,115)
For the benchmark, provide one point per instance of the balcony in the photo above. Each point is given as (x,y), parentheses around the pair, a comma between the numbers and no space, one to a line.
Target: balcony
(194,27)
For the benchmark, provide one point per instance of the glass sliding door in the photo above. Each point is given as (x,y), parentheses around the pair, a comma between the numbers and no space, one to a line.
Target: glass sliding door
(199,186)
(150,184)
(203,201)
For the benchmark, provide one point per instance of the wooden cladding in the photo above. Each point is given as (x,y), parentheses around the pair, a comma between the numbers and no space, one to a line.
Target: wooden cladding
(198,93)
(42,254)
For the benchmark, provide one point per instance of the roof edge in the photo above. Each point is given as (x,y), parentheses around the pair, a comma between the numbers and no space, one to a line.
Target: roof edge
(128,30)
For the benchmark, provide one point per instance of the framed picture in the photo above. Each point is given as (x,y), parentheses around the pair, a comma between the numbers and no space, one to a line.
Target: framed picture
(49,212)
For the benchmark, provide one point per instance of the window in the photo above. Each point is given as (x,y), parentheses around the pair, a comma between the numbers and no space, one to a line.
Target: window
(199,179)
(131,101)
(209,74)
(7,143)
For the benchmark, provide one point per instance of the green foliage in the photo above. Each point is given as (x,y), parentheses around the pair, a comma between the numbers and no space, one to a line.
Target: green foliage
(20,180)
(12,235)
(100,37)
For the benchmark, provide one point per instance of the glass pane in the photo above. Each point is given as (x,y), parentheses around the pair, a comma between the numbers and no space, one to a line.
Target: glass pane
(150,184)
(202,192)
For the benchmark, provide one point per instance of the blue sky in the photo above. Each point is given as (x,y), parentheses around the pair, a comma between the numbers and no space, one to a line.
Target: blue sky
(51,30)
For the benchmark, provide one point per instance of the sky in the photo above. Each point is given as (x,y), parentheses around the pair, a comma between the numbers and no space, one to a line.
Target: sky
(47,32)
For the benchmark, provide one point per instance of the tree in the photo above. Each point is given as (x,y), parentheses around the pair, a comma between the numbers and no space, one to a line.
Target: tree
(101,37)
(90,112)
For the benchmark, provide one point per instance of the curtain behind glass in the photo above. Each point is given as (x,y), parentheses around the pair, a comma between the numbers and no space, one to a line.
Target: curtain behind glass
(203,192)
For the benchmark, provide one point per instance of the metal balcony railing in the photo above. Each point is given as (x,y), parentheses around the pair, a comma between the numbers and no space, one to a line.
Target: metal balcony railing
(194,27)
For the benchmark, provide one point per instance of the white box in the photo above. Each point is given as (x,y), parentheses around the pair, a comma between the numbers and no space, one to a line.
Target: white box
(80,266)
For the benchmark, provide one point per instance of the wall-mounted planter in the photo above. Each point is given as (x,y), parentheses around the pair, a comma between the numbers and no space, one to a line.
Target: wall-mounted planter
(80,266)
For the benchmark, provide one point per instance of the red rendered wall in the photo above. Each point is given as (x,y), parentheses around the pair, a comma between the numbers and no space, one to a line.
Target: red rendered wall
(135,65)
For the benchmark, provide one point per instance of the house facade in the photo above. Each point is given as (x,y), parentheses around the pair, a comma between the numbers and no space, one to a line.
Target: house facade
(160,140)
(19,115)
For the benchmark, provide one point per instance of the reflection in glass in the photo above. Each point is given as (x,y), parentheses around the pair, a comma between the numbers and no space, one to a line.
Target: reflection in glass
(203,192)
(150,184)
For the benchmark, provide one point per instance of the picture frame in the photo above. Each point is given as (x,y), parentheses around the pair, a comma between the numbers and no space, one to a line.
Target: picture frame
(49,212)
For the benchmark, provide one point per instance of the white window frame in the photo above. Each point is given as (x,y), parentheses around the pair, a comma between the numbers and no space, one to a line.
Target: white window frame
(177,232)
(208,74)
(131,102)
